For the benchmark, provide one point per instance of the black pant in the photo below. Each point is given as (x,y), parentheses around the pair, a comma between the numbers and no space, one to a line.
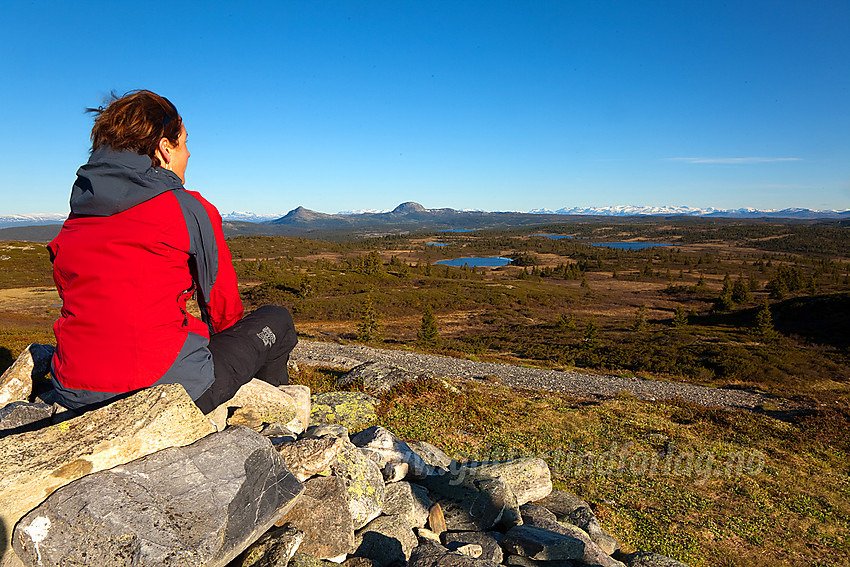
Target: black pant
(258,346)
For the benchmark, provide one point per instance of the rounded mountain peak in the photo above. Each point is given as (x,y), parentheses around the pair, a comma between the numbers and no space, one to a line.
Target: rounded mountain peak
(409,207)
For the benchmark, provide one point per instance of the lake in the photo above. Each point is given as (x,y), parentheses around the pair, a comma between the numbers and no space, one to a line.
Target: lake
(631,245)
(555,236)
(475,262)
(438,243)
(458,230)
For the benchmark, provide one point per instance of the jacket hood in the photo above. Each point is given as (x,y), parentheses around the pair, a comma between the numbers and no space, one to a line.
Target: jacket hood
(114,181)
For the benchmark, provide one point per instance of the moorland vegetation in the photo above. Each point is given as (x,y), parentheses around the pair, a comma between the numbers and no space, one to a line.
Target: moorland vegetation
(760,305)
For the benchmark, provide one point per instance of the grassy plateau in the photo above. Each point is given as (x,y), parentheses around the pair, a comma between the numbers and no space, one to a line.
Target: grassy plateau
(760,305)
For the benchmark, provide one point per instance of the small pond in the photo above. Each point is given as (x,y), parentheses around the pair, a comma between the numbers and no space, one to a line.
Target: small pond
(555,236)
(438,243)
(475,262)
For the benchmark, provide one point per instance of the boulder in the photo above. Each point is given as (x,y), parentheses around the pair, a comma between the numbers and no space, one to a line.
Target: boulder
(364,483)
(274,549)
(322,513)
(593,554)
(20,417)
(327,430)
(16,383)
(301,395)
(378,377)
(408,502)
(572,509)
(542,545)
(649,559)
(477,505)
(309,457)
(529,479)
(272,404)
(199,505)
(432,555)
(33,465)
(432,455)
(354,410)
(386,540)
(392,455)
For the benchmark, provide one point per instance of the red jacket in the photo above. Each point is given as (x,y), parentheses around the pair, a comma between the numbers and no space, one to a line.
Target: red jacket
(133,251)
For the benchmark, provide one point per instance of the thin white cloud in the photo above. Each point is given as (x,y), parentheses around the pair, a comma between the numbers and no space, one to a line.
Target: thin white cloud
(732,160)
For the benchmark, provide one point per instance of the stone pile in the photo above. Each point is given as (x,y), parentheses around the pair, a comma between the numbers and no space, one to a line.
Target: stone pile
(275,477)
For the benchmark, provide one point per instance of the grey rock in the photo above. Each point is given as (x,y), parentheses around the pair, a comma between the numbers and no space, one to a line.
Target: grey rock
(541,544)
(433,555)
(354,410)
(309,457)
(271,404)
(327,430)
(197,505)
(649,559)
(476,505)
(531,512)
(16,383)
(593,555)
(31,468)
(491,549)
(20,417)
(431,455)
(407,501)
(396,459)
(572,509)
(529,479)
(274,549)
(387,540)
(378,377)
(364,483)
(322,513)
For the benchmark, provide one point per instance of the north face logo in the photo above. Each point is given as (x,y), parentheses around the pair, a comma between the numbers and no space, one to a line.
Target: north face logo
(267,336)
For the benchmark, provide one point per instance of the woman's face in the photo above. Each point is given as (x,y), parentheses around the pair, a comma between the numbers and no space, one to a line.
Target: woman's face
(179,156)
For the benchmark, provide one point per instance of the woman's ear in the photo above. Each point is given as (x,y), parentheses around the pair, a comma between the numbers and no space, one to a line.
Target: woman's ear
(163,152)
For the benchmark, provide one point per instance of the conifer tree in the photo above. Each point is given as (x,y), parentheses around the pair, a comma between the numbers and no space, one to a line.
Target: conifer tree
(680,319)
(370,327)
(429,334)
(764,322)
(640,323)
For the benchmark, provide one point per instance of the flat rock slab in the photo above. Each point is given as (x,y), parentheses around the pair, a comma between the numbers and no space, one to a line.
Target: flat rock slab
(33,465)
(199,505)
(529,478)
(379,377)
(542,545)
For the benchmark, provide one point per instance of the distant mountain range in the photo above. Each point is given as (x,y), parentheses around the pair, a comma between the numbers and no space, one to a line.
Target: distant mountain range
(413,216)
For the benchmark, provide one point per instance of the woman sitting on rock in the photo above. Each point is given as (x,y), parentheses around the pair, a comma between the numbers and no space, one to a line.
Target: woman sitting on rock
(134,249)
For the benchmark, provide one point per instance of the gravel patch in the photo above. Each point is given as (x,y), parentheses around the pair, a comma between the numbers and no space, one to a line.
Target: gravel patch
(316,353)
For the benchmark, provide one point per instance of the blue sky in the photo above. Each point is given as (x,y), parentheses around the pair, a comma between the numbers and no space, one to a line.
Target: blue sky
(494,105)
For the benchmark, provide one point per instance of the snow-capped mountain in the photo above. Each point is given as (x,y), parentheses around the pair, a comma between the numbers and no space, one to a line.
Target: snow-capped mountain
(746,212)
(33,219)
(245,216)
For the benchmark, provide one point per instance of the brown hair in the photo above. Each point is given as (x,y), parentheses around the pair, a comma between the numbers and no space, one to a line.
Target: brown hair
(136,121)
